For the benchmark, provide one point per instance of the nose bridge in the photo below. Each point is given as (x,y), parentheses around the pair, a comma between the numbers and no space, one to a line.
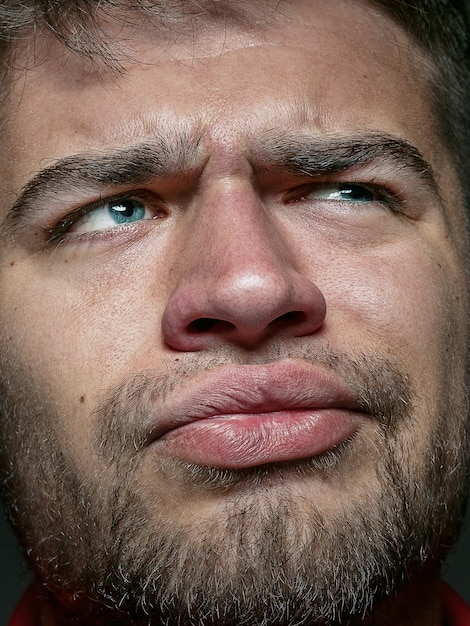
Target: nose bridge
(236,236)
(236,276)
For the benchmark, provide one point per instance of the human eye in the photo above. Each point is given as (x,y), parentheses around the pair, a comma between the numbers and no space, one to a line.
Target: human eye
(355,193)
(110,214)
(107,215)
(350,193)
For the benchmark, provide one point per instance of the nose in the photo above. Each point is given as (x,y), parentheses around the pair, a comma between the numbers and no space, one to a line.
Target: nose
(237,280)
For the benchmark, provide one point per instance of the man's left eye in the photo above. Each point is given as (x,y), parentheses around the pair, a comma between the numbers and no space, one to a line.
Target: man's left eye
(339,192)
(111,214)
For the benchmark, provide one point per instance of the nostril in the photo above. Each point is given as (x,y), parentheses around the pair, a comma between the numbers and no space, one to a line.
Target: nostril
(291,317)
(201,325)
(206,324)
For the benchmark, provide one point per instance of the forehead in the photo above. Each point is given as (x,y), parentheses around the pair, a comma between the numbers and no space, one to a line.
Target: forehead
(335,67)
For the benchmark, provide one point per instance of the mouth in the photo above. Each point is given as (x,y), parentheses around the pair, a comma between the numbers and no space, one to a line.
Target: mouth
(243,416)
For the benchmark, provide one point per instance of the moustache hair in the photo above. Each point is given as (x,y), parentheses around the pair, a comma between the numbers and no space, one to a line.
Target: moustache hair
(126,414)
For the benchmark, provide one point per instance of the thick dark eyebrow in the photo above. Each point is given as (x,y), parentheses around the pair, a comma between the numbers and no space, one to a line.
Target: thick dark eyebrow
(122,167)
(329,155)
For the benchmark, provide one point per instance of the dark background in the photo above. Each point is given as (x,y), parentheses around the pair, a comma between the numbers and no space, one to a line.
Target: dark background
(14,576)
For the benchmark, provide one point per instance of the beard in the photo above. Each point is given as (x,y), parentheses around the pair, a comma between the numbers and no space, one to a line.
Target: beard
(112,548)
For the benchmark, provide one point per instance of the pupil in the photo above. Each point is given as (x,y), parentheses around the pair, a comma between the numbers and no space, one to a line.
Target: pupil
(126,211)
(357,193)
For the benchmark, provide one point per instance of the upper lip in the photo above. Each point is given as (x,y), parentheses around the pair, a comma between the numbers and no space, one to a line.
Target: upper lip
(253,389)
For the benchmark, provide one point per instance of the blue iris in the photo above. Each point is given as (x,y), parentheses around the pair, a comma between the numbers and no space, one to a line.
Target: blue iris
(126,211)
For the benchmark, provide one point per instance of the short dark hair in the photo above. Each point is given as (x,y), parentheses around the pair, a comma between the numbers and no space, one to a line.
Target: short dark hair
(440,27)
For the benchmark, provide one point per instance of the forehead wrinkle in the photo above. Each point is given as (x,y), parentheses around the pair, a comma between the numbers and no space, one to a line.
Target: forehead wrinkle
(156,126)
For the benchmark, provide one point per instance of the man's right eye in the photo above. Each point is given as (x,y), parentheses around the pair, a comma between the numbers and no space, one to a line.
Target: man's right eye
(111,214)
(108,215)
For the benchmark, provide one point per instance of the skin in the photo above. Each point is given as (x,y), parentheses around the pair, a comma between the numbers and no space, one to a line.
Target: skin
(237,237)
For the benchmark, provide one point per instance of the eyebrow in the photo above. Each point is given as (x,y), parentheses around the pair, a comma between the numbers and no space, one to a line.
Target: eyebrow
(327,156)
(121,167)
(150,161)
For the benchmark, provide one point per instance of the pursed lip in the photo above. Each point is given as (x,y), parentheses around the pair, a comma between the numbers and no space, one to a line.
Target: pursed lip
(215,418)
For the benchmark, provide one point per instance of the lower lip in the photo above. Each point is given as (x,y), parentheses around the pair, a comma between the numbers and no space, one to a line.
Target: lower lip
(247,440)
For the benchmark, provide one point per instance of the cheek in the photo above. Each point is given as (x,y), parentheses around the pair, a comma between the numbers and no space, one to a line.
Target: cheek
(75,335)
(409,306)
(79,332)
(97,325)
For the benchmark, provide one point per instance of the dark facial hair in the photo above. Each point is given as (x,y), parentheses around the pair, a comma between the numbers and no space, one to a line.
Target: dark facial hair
(268,554)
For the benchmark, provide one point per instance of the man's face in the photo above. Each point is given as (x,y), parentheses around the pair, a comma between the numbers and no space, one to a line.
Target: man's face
(234,319)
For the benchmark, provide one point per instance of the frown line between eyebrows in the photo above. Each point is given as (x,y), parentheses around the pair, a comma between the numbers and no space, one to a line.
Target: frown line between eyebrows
(149,162)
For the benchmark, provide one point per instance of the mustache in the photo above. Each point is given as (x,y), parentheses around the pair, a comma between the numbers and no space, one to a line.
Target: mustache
(126,414)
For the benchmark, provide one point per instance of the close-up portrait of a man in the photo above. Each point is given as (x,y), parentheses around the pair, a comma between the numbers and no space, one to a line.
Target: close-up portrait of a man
(234,309)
